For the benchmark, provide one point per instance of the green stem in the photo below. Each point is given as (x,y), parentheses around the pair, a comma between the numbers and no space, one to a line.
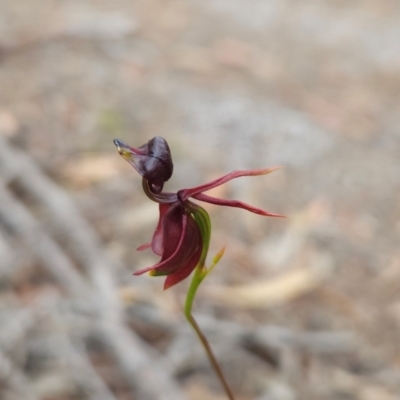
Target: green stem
(196,281)
(203,220)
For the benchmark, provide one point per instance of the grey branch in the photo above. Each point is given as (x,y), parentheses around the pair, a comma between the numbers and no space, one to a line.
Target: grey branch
(146,376)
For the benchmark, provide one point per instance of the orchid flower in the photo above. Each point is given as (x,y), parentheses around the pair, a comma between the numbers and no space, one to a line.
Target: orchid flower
(183,232)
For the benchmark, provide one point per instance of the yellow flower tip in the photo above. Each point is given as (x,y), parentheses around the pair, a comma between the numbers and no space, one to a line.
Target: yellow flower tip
(153,272)
(125,154)
(219,255)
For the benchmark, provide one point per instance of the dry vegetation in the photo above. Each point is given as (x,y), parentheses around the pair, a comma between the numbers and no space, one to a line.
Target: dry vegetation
(306,308)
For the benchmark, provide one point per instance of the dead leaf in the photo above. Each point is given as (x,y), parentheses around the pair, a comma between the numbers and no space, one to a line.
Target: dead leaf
(268,293)
(93,168)
(8,124)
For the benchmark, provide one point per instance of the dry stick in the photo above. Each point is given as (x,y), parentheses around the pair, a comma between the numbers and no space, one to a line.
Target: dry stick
(84,371)
(146,376)
(15,215)
(258,340)
(11,333)
(23,320)
(60,346)
(12,262)
(86,246)
(321,342)
(128,349)
(15,330)
(14,378)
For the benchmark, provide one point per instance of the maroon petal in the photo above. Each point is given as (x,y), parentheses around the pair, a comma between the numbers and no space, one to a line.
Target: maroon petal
(186,193)
(143,247)
(157,242)
(235,203)
(174,225)
(185,271)
(189,243)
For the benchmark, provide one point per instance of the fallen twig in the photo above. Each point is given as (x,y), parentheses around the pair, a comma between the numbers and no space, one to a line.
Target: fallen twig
(144,374)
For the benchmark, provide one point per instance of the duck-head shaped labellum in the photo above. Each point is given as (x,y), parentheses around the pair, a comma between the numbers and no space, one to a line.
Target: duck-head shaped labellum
(153,161)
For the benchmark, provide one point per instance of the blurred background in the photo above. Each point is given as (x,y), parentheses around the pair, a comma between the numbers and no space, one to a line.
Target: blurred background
(302,308)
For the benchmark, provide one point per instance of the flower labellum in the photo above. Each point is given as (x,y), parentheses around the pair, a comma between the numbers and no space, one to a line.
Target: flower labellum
(153,160)
(183,232)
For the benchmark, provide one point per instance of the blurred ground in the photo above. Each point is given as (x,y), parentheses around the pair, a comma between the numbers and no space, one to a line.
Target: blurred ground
(303,308)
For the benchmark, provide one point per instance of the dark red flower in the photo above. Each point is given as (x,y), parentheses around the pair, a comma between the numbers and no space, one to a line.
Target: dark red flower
(183,232)
(177,239)
(153,160)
